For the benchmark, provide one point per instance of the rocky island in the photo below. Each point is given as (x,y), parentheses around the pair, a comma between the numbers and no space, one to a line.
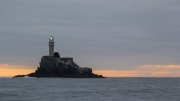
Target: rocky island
(55,66)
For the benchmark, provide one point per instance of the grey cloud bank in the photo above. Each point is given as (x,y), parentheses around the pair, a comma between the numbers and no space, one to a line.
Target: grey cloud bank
(103,34)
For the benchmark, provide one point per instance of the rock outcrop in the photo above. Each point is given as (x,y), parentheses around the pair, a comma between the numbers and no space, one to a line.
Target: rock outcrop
(53,66)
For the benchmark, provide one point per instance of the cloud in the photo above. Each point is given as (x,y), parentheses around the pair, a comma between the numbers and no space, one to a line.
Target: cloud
(118,34)
(159,70)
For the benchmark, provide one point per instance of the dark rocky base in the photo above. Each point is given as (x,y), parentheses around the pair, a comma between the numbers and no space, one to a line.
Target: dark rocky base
(60,76)
(18,76)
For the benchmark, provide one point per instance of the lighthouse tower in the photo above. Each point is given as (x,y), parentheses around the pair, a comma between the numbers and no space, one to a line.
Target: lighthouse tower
(51,46)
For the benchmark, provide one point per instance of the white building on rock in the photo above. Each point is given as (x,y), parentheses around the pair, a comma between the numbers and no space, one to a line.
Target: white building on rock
(51,52)
(51,46)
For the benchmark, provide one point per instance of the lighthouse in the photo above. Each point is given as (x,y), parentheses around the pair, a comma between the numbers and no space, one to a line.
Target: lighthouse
(51,46)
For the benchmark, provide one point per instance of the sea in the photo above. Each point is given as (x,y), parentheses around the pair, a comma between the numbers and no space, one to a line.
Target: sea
(90,89)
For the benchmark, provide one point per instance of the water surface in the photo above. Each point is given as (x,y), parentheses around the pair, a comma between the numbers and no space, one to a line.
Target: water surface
(109,89)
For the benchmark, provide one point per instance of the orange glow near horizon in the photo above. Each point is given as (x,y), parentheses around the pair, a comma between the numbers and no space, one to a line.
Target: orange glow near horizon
(141,71)
(9,71)
(116,73)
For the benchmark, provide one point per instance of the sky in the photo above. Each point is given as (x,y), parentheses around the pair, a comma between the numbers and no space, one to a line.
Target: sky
(116,38)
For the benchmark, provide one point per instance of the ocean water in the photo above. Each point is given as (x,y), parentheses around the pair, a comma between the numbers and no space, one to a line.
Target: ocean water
(109,89)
